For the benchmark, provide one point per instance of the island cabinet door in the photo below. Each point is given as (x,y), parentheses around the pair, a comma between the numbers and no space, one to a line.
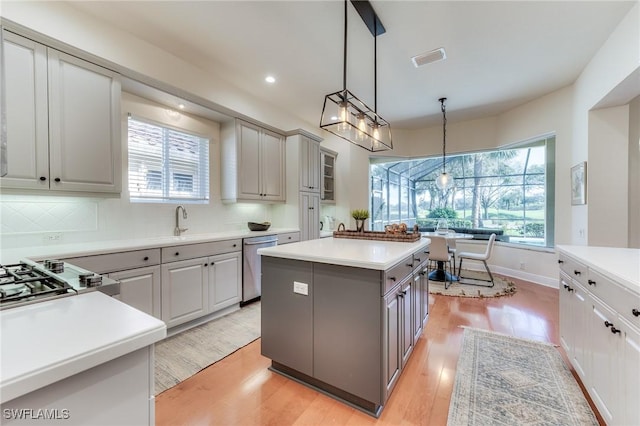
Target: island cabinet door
(347,329)
(391,340)
(406,326)
(287,313)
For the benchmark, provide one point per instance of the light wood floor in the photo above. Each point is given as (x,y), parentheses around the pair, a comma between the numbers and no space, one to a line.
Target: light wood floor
(239,390)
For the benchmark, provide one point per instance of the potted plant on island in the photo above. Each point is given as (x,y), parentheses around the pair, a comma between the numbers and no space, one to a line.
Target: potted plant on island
(360,215)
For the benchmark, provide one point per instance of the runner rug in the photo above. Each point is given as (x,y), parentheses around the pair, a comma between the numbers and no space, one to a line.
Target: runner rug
(502,380)
(501,287)
(181,356)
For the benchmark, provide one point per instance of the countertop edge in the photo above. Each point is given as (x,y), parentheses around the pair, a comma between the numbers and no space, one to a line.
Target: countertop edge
(575,252)
(345,261)
(13,255)
(47,374)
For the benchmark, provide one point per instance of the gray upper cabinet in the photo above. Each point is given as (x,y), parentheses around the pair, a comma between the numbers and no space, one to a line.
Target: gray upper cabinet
(63,120)
(253,163)
(309,164)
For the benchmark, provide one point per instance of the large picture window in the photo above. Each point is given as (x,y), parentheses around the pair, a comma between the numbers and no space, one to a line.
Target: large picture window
(167,165)
(509,191)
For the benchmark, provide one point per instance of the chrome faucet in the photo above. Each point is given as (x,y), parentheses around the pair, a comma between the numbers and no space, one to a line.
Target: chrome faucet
(178,231)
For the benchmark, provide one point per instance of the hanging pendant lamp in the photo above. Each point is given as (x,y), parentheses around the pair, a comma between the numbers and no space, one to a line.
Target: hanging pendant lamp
(444,182)
(346,116)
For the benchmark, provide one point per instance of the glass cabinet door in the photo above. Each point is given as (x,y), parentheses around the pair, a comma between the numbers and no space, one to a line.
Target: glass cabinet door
(327,194)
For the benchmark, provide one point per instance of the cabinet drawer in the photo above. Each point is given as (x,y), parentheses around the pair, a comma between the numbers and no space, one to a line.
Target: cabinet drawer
(420,257)
(617,297)
(103,263)
(190,251)
(396,274)
(290,237)
(574,269)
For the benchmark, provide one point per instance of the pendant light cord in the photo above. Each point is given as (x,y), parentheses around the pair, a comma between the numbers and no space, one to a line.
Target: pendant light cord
(444,134)
(375,67)
(344,70)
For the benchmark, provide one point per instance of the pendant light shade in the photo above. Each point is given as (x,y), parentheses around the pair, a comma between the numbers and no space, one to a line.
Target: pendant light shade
(346,116)
(445,181)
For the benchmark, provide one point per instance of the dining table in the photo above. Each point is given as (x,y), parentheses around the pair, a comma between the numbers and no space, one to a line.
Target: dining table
(440,274)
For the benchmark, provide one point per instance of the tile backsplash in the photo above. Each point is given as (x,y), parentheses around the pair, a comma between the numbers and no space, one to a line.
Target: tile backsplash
(29,220)
(36,216)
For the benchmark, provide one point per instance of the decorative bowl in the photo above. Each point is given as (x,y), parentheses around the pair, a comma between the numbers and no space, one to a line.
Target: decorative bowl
(259,226)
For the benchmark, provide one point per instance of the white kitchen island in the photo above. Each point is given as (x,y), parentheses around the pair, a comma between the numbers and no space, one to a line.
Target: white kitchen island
(343,315)
(78,360)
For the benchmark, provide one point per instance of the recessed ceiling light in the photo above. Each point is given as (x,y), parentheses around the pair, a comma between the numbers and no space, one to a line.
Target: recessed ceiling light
(429,57)
(270,79)
(181,106)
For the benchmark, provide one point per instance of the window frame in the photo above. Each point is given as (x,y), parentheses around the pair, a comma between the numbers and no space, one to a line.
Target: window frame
(547,140)
(174,166)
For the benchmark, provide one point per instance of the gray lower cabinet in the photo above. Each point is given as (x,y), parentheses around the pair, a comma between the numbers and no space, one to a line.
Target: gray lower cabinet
(351,333)
(140,288)
(185,290)
(196,287)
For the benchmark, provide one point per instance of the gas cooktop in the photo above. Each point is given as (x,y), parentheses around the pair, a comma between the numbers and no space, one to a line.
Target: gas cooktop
(30,282)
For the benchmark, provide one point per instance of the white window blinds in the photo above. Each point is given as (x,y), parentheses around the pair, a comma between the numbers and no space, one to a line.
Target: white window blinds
(166,164)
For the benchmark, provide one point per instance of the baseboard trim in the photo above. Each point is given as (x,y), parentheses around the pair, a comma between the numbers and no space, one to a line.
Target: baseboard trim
(514,273)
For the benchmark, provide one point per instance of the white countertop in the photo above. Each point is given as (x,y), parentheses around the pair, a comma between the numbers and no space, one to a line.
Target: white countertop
(621,264)
(369,254)
(9,256)
(45,342)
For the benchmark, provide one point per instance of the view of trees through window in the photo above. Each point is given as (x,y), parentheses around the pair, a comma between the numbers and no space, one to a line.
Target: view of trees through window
(505,191)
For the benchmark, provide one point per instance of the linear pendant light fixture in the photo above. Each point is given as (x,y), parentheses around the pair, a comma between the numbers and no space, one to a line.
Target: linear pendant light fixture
(346,116)
(444,182)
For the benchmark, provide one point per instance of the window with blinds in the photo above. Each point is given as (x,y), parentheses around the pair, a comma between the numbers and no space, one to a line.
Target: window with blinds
(167,165)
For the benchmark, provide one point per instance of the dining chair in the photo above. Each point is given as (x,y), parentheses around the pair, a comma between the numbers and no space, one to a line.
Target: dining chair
(481,257)
(439,252)
(451,242)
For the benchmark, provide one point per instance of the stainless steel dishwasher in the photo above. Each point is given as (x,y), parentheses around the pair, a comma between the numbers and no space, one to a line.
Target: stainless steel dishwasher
(251,269)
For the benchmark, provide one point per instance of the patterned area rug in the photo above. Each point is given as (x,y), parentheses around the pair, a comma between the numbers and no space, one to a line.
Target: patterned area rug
(502,286)
(181,356)
(502,380)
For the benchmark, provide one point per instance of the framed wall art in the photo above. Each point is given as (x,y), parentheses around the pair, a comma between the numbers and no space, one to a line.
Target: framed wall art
(579,184)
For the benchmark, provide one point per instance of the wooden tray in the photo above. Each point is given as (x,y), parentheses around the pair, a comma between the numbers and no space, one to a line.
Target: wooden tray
(409,237)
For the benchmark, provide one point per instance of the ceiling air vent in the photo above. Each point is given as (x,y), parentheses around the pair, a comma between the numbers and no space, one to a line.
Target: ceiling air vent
(429,57)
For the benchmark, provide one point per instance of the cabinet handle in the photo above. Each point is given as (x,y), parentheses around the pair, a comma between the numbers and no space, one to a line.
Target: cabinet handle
(392,278)
(608,324)
(635,312)
(177,253)
(565,286)
(146,258)
(401,295)
(591,282)
(404,292)
(206,264)
(212,263)
(289,237)
(410,264)
(576,272)
(57,179)
(569,289)
(235,245)
(418,259)
(614,330)
(560,261)
(42,178)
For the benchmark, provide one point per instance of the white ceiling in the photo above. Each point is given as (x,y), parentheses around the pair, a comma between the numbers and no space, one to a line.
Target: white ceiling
(500,54)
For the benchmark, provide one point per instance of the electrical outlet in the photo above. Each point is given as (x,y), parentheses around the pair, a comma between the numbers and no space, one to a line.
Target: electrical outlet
(301,288)
(52,237)
(522,266)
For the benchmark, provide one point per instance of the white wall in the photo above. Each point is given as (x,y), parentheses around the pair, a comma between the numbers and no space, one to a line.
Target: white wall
(607,177)
(634,173)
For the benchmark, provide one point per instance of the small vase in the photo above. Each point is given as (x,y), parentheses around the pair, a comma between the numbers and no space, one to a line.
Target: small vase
(360,225)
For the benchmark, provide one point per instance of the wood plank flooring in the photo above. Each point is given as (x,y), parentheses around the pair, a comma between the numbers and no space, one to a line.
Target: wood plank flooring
(239,390)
